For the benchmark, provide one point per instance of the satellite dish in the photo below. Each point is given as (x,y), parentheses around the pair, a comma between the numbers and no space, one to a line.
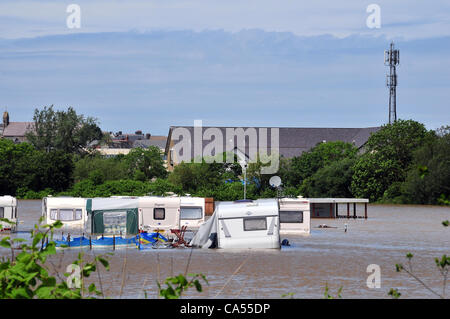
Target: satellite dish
(275,181)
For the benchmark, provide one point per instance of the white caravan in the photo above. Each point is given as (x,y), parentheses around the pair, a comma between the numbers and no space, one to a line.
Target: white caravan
(294,216)
(159,214)
(71,211)
(241,224)
(192,212)
(8,210)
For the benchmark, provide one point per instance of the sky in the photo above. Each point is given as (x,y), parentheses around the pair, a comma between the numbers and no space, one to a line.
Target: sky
(147,65)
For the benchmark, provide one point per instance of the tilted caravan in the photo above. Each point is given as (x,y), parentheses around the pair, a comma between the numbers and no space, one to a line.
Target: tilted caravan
(159,214)
(192,212)
(71,211)
(8,210)
(294,216)
(113,216)
(241,224)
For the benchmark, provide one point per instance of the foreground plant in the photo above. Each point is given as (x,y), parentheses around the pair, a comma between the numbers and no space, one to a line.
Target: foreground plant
(26,275)
(442,264)
(180,284)
(328,296)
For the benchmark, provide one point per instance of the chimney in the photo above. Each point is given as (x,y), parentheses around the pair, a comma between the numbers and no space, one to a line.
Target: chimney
(5,119)
(147,136)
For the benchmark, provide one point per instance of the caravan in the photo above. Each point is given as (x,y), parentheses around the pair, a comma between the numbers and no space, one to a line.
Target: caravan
(8,210)
(241,224)
(71,211)
(160,214)
(192,212)
(294,216)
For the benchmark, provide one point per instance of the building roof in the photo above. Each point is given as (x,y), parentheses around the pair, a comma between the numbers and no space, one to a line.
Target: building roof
(158,141)
(294,141)
(17,129)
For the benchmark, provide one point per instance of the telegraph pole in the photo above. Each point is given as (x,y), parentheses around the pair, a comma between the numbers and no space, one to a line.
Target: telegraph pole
(392,59)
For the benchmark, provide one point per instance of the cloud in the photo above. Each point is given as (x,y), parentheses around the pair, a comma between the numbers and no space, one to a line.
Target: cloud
(400,18)
(151,80)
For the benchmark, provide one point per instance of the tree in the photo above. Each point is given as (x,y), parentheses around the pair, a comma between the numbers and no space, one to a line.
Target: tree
(16,166)
(63,130)
(145,164)
(319,156)
(23,167)
(428,180)
(388,156)
(333,180)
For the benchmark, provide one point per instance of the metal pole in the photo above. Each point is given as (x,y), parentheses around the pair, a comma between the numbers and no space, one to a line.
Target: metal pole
(365,210)
(245,182)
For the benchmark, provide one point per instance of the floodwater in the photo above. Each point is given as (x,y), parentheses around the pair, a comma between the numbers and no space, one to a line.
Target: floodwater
(328,256)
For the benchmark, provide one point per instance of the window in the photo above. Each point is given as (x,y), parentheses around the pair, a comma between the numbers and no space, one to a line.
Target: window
(291,217)
(191,213)
(115,222)
(159,213)
(53,214)
(2,212)
(255,224)
(66,214)
(78,214)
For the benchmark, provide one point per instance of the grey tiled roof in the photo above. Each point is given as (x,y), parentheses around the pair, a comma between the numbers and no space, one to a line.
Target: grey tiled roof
(294,141)
(18,129)
(158,141)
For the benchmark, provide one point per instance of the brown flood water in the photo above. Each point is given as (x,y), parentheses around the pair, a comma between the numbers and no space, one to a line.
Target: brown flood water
(328,256)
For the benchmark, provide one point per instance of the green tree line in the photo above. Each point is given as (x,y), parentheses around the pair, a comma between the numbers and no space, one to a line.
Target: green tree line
(401,163)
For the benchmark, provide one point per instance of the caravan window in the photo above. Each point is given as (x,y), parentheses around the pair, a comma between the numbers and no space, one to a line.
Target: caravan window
(159,213)
(53,214)
(191,213)
(78,214)
(66,214)
(2,212)
(255,224)
(291,216)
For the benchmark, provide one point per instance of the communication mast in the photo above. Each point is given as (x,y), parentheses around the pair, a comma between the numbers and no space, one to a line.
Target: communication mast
(392,59)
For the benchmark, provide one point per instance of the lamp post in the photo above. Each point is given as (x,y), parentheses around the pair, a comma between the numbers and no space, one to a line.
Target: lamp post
(244,168)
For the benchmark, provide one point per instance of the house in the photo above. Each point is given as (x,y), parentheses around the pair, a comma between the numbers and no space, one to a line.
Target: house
(15,131)
(288,141)
(123,143)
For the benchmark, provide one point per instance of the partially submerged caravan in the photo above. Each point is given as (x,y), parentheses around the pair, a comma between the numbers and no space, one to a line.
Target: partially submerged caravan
(192,212)
(160,214)
(112,216)
(294,216)
(8,210)
(71,211)
(241,224)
